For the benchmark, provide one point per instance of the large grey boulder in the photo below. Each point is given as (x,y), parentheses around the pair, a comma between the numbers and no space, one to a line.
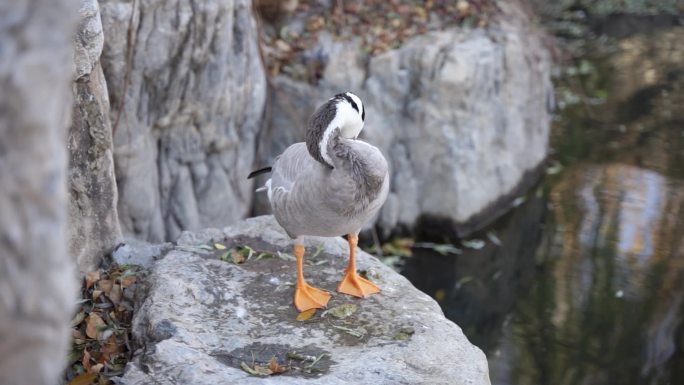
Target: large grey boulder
(462,114)
(93,221)
(187,88)
(37,283)
(201,318)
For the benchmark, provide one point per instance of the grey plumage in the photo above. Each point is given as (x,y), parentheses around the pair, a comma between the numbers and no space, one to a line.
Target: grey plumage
(311,196)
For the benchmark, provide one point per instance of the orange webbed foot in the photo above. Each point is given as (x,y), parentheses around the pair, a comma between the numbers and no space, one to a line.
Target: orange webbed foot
(357,286)
(308,297)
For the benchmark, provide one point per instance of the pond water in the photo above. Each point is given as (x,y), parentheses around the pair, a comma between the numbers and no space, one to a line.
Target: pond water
(583,283)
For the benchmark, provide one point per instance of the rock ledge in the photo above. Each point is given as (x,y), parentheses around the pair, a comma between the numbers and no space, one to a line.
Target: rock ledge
(202,318)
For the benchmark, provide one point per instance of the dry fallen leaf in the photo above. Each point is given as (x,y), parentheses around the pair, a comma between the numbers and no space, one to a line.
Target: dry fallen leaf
(96,294)
(78,318)
(83,379)
(275,367)
(86,360)
(105,285)
(96,368)
(306,314)
(110,347)
(127,280)
(257,370)
(237,257)
(91,278)
(115,294)
(93,325)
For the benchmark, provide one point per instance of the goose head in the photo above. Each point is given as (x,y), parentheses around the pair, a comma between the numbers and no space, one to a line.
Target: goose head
(343,115)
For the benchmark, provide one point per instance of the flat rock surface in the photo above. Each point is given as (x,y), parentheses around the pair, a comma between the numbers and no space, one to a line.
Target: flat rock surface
(203,317)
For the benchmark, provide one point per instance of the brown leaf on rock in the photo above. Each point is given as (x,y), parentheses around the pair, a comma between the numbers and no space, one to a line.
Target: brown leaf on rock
(92,277)
(275,367)
(306,314)
(96,294)
(83,379)
(94,324)
(237,257)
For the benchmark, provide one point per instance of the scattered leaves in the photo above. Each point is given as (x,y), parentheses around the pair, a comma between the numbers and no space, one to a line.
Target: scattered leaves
(342,311)
(101,326)
(255,371)
(306,315)
(379,26)
(263,370)
(242,254)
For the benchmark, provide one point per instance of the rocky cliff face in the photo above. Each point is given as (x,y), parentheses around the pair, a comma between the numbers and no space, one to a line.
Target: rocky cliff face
(187,88)
(462,114)
(93,220)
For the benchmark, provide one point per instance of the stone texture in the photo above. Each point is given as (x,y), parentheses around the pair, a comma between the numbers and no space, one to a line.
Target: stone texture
(37,285)
(93,220)
(202,317)
(136,252)
(462,114)
(187,100)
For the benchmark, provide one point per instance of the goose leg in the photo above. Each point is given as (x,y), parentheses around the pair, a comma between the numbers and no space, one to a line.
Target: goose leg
(306,296)
(352,284)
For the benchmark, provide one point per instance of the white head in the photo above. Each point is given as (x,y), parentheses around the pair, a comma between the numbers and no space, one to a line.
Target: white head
(344,111)
(352,114)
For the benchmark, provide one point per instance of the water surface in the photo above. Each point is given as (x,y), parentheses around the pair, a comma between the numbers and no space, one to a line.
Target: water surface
(584,282)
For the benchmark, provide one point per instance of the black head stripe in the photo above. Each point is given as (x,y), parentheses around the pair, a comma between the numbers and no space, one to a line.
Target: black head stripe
(363,115)
(351,101)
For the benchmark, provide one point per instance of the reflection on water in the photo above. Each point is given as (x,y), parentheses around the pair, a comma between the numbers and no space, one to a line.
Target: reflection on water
(584,283)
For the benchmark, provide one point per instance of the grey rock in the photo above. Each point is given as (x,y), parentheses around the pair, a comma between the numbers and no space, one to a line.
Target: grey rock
(187,94)
(89,39)
(93,220)
(463,115)
(203,237)
(136,252)
(37,282)
(203,317)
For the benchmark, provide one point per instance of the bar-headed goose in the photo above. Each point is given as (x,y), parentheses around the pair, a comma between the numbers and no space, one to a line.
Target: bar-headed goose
(329,186)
